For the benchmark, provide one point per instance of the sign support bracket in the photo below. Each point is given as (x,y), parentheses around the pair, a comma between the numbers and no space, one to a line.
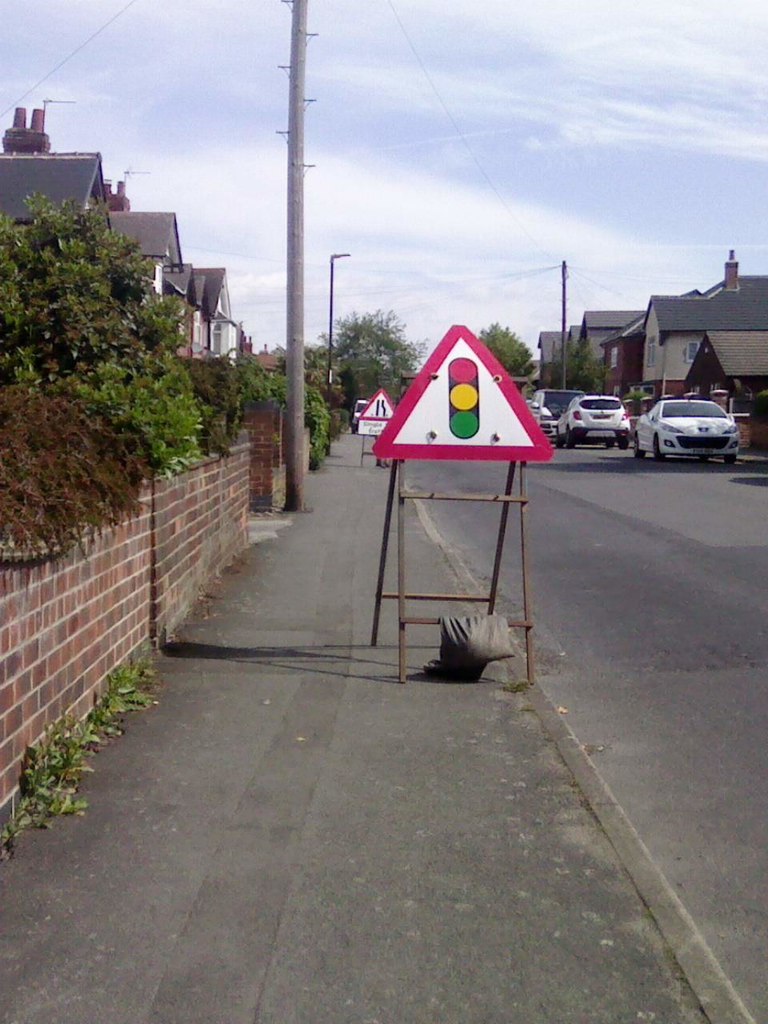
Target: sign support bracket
(402,595)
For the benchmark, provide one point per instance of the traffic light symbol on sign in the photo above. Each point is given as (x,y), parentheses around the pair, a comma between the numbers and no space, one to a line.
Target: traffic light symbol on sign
(464,398)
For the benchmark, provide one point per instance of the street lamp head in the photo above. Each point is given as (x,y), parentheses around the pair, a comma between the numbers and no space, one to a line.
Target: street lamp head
(339,255)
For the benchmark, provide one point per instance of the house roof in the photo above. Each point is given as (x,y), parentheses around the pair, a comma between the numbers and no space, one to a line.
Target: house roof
(632,329)
(610,319)
(269,360)
(209,284)
(742,309)
(178,281)
(549,342)
(58,176)
(156,233)
(741,353)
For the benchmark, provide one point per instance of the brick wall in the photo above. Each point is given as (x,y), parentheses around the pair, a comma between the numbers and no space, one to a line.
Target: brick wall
(757,432)
(200,524)
(66,623)
(264,423)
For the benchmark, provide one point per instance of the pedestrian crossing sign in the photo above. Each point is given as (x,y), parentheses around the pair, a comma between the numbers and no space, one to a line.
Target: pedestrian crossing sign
(463,405)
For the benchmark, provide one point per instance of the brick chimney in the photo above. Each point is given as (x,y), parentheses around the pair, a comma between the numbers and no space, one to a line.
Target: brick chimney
(20,139)
(731,273)
(117,202)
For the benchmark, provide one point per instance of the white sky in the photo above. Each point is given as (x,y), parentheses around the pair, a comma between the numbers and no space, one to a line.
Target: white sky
(460,151)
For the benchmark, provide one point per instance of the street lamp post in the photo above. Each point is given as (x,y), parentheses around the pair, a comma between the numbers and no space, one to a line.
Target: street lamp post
(329,379)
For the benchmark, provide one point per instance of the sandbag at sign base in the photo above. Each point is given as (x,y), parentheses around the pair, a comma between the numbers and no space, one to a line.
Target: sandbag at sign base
(468,643)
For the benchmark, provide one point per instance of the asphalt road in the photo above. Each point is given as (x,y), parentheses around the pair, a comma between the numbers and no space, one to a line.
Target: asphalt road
(651,611)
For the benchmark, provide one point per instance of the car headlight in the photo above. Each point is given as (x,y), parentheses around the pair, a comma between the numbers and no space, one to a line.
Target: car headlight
(672,430)
(731,429)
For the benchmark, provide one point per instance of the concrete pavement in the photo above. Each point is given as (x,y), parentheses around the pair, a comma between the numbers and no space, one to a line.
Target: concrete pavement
(291,837)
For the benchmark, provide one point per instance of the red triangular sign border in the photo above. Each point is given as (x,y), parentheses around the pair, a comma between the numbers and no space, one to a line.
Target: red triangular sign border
(386,447)
(381,393)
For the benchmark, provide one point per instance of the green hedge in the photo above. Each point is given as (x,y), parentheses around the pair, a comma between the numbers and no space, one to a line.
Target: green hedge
(63,469)
(761,404)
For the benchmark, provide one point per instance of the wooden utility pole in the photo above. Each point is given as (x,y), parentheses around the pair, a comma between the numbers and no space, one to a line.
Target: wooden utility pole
(294,470)
(563,325)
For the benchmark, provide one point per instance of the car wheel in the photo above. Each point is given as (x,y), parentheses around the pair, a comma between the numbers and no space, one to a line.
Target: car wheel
(559,442)
(639,452)
(657,452)
(729,459)
(569,441)
(623,443)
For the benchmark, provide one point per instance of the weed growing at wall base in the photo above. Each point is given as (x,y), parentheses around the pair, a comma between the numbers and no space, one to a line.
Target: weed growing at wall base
(53,767)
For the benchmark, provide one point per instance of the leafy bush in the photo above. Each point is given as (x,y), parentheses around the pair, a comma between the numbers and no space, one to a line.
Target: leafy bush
(74,295)
(157,406)
(217,388)
(318,418)
(761,404)
(256,385)
(63,469)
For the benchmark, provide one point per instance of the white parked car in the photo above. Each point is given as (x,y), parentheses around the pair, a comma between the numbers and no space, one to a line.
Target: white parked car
(360,406)
(593,419)
(687,426)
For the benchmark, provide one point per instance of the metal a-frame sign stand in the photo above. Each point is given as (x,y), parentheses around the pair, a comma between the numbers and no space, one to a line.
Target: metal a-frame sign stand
(461,406)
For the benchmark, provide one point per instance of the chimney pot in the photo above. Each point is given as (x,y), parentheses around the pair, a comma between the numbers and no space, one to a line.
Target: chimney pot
(20,118)
(38,121)
(117,200)
(731,272)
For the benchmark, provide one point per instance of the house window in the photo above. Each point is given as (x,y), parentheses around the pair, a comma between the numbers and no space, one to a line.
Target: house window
(614,357)
(690,350)
(197,341)
(650,352)
(218,335)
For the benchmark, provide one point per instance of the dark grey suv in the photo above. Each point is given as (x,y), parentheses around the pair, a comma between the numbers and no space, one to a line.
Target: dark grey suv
(548,405)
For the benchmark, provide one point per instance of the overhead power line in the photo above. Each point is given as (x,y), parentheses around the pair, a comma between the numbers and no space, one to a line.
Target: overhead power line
(462,136)
(69,57)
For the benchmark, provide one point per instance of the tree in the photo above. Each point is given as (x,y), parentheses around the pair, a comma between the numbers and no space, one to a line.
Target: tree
(513,354)
(585,372)
(371,351)
(316,366)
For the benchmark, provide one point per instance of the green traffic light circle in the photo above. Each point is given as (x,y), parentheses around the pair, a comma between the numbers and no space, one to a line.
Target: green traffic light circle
(464,424)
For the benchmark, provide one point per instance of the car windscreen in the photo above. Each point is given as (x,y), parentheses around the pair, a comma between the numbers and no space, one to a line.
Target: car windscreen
(673,409)
(600,403)
(558,401)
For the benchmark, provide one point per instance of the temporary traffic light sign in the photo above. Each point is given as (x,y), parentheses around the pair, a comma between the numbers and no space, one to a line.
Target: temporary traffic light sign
(463,398)
(463,405)
(375,415)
